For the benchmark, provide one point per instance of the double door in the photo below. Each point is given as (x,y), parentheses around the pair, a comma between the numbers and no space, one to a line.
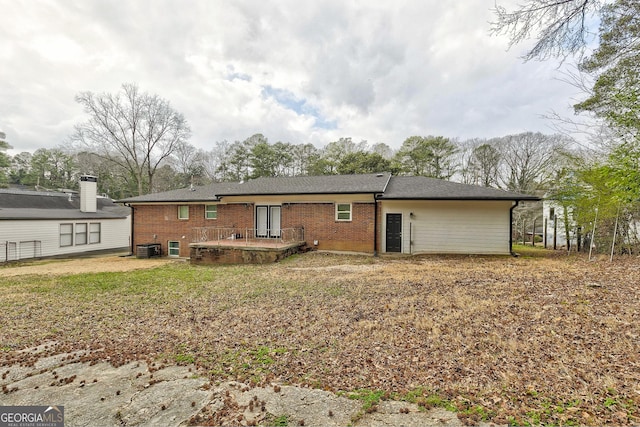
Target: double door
(268,221)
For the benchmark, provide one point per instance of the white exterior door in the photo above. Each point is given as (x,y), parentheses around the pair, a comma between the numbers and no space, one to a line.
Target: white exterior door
(268,221)
(274,221)
(262,221)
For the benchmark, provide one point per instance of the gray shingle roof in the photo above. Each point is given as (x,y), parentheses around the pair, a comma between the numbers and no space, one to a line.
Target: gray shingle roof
(423,188)
(397,187)
(326,184)
(19,204)
(204,193)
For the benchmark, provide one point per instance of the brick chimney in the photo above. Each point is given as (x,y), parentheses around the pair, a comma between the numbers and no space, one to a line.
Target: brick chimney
(88,193)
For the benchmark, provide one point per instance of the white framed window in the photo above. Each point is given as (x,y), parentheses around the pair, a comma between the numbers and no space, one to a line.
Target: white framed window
(183,212)
(343,211)
(81,234)
(211,211)
(174,248)
(66,235)
(94,232)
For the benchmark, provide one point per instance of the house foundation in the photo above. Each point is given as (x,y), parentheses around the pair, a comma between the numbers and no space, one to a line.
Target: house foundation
(213,253)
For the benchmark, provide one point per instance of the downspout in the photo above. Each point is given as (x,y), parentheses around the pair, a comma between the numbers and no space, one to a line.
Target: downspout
(511,228)
(132,223)
(375,225)
(376,196)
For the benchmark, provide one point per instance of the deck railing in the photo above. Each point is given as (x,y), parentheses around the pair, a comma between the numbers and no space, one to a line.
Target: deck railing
(220,234)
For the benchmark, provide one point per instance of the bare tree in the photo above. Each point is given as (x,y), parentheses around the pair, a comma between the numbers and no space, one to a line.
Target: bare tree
(485,163)
(528,160)
(215,161)
(559,25)
(189,164)
(383,149)
(132,129)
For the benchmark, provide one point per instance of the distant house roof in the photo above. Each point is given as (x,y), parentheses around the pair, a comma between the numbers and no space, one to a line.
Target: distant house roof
(22,204)
(423,188)
(384,185)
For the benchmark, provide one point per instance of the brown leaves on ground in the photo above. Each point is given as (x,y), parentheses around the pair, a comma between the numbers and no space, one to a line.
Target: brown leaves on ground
(519,340)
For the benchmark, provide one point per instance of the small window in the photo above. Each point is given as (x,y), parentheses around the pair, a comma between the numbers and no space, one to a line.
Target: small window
(66,235)
(183,212)
(94,232)
(343,212)
(174,248)
(211,211)
(81,234)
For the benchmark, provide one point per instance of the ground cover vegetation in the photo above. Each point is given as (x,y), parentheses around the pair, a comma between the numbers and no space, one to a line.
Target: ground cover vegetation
(533,340)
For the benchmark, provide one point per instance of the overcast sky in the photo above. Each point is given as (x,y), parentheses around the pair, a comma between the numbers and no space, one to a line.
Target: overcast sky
(295,71)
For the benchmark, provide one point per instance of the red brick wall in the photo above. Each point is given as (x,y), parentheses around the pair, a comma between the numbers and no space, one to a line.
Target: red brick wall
(318,220)
(162,221)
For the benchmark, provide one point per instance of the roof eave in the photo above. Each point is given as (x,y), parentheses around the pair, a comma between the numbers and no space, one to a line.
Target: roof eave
(155,202)
(470,199)
(296,193)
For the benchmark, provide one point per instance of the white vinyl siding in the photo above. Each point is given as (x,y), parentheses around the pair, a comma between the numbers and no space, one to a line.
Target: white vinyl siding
(480,227)
(56,237)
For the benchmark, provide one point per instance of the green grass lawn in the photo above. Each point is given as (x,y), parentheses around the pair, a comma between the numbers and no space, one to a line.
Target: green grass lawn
(539,339)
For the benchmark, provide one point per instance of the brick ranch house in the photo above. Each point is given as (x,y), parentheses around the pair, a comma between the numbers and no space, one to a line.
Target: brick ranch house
(371,213)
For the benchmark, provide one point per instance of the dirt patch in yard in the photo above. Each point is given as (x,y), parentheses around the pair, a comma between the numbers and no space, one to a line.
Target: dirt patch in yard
(100,264)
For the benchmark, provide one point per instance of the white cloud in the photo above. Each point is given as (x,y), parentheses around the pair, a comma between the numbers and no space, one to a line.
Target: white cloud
(370,70)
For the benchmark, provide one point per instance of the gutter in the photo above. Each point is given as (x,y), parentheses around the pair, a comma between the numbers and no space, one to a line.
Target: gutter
(513,254)
(376,198)
(132,225)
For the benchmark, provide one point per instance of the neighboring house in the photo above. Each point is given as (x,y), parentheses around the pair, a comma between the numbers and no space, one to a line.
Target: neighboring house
(373,213)
(37,224)
(554,228)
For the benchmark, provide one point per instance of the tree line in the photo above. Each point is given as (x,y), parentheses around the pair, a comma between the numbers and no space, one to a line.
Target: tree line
(523,163)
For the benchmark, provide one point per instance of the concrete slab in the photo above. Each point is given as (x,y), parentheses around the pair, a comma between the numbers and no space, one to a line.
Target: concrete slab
(99,394)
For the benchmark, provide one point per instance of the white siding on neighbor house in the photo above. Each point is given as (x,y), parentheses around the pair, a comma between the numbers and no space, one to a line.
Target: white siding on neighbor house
(554,225)
(114,234)
(470,227)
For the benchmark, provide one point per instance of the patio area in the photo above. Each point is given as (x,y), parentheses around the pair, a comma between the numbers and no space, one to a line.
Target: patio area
(244,246)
